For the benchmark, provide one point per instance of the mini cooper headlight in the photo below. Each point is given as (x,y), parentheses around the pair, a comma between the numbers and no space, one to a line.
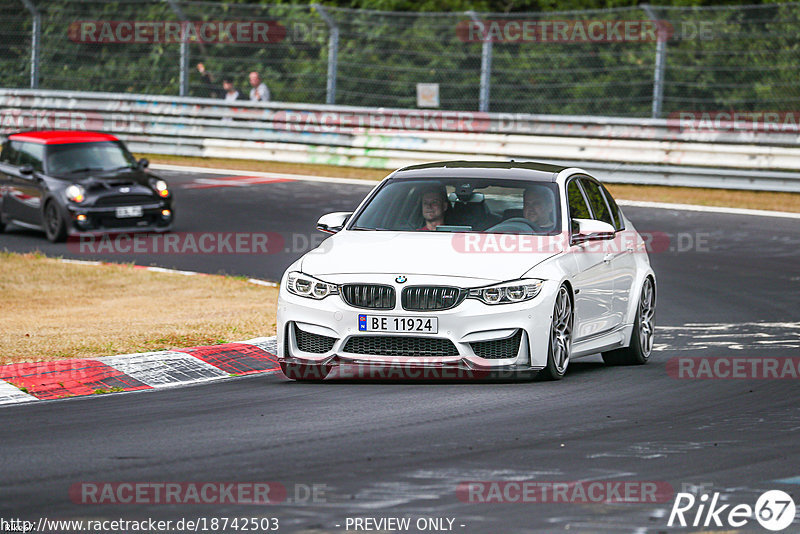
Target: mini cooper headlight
(75,193)
(507,292)
(303,285)
(161,188)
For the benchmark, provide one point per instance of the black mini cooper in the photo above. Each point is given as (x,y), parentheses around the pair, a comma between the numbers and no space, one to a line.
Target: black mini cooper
(74,182)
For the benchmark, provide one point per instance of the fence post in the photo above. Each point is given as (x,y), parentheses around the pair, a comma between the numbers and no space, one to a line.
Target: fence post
(333,53)
(184,72)
(486,65)
(661,63)
(36,37)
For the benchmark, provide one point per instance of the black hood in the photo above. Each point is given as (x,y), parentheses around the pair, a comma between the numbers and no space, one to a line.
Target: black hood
(99,179)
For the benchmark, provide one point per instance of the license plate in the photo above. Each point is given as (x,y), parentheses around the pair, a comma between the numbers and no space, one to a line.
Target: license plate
(387,323)
(126,212)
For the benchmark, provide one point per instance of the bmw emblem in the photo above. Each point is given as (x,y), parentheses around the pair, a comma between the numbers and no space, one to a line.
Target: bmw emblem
(400,279)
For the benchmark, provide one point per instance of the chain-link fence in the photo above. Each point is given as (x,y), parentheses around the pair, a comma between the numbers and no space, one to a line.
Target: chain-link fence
(640,62)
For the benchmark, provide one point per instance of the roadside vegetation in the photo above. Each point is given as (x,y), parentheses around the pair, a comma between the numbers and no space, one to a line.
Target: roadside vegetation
(51,310)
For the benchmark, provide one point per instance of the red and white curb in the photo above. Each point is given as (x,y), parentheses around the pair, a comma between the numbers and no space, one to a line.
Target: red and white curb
(28,382)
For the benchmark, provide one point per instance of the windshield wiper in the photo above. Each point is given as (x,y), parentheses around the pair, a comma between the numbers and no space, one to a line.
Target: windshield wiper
(128,166)
(85,169)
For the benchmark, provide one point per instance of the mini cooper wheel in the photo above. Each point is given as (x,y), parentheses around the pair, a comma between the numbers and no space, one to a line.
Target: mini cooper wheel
(54,225)
(305,372)
(560,347)
(638,352)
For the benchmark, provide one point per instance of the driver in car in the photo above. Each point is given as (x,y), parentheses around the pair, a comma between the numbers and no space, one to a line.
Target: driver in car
(537,206)
(434,204)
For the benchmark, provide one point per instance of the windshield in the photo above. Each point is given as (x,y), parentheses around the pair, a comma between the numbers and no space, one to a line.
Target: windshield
(84,157)
(463,205)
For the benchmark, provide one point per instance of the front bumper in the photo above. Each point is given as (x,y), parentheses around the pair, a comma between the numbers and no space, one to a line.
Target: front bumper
(478,339)
(100,220)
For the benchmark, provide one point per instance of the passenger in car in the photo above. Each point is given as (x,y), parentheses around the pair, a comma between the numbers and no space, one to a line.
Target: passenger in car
(434,204)
(537,206)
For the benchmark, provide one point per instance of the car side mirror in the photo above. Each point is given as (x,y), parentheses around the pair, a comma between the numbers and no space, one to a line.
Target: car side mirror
(26,169)
(591,230)
(143,163)
(331,223)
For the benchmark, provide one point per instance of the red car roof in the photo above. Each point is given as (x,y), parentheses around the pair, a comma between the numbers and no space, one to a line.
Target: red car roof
(55,137)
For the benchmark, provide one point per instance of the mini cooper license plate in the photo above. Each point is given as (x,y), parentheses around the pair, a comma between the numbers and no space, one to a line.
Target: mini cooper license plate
(126,212)
(387,323)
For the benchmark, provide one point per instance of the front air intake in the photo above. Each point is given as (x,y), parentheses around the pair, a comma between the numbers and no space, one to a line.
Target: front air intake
(368,296)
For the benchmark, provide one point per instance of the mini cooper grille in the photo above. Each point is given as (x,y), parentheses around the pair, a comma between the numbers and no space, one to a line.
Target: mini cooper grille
(370,296)
(423,298)
(498,348)
(308,342)
(125,200)
(113,222)
(400,346)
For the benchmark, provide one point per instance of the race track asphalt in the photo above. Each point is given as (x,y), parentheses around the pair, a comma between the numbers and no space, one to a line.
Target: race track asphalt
(394,449)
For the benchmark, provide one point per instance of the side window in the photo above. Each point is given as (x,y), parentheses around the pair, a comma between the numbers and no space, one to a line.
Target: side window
(615,212)
(577,204)
(9,154)
(31,154)
(597,202)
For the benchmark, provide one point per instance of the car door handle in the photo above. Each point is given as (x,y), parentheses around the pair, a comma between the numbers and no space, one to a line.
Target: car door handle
(608,257)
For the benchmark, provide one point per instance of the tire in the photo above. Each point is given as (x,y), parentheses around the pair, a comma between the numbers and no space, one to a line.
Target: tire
(302,372)
(641,346)
(560,346)
(54,225)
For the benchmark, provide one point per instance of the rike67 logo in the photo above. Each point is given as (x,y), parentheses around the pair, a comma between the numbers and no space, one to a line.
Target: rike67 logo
(774,510)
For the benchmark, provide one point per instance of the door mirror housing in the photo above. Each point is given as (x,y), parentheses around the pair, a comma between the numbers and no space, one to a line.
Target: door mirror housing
(143,163)
(591,230)
(331,223)
(26,169)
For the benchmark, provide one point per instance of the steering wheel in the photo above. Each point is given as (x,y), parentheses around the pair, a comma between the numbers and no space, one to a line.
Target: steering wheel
(516,225)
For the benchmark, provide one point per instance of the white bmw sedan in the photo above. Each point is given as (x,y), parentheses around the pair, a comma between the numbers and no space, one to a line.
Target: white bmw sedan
(503,268)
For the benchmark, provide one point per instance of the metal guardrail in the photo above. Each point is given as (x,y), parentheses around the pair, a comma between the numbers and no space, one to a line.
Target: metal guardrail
(624,150)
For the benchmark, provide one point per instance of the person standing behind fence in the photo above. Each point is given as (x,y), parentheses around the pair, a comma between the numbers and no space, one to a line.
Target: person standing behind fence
(231,93)
(208,88)
(259,92)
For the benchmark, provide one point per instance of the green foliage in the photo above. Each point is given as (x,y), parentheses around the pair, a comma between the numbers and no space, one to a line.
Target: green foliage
(741,57)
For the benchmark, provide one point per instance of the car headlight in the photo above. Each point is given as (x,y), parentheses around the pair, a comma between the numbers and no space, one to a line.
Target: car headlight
(161,188)
(75,193)
(303,285)
(507,292)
